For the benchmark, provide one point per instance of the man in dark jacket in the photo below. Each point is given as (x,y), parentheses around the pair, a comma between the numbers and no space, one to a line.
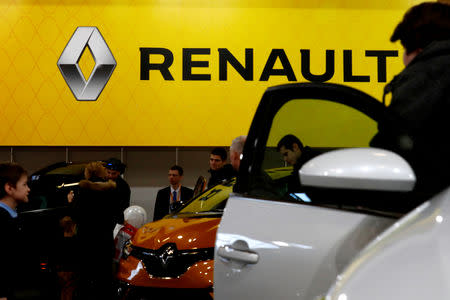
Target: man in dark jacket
(170,198)
(115,169)
(219,169)
(417,122)
(295,154)
(13,191)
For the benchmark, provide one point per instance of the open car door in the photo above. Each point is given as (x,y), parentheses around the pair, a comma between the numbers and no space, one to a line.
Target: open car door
(281,242)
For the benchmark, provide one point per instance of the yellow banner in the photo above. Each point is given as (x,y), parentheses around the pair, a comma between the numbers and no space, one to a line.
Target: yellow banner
(179,73)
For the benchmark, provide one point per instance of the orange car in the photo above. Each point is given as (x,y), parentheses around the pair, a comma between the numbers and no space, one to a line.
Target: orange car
(173,257)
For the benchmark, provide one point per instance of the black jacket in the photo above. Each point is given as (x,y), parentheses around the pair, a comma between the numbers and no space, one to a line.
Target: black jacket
(94,210)
(163,201)
(122,201)
(225,173)
(294,184)
(417,123)
(9,235)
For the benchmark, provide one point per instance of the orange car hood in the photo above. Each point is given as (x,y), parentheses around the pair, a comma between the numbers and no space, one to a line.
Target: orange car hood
(186,233)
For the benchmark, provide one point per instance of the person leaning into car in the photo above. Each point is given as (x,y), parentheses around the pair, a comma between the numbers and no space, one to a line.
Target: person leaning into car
(294,154)
(13,191)
(420,97)
(170,197)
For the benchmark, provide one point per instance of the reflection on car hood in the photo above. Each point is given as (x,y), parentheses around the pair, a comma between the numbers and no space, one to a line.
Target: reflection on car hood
(187,233)
(277,173)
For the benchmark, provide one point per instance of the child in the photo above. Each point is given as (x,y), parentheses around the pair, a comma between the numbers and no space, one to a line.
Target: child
(13,191)
(134,216)
(67,262)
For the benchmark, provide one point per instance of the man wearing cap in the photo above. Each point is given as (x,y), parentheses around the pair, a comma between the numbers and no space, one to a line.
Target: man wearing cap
(169,198)
(115,168)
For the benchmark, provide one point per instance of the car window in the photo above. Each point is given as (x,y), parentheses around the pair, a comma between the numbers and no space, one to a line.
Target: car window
(322,123)
(49,188)
(214,199)
(321,126)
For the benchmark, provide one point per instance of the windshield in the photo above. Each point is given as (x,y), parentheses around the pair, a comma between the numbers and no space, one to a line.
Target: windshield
(213,199)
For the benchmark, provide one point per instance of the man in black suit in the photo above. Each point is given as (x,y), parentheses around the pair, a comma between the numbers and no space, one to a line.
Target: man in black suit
(169,198)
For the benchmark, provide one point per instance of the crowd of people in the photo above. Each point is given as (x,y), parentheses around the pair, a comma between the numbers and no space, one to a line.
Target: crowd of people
(100,218)
(414,129)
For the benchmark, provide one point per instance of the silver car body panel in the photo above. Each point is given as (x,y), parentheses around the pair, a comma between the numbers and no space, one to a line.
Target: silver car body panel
(280,250)
(410,261)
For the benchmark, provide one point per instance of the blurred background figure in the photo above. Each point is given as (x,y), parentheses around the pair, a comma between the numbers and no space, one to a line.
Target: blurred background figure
(236,149)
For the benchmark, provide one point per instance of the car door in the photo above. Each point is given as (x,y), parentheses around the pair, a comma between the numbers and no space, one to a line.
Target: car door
(275,243)
(41,232)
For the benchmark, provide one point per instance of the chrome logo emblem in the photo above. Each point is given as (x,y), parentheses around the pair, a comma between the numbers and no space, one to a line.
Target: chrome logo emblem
(169,252)
(104,63)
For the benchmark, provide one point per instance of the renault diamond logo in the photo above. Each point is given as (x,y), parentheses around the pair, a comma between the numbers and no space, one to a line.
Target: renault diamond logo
(104,63)
(169,252)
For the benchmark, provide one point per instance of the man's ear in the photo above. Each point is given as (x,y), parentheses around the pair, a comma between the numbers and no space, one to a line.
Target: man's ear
(295,147)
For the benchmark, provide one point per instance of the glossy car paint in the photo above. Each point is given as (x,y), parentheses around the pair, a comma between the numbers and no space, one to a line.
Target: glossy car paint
(186,233)
(410,261)
(359,168)
(300,249)
(191,229)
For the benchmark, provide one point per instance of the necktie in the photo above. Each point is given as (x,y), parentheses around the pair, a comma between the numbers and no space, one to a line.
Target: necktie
(174,196)
(172,205)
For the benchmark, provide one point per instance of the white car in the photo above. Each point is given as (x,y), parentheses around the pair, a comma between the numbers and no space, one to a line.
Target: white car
(409,261)
(278,241)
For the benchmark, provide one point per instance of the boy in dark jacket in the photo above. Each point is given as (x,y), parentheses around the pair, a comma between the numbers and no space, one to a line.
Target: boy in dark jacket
(13,191)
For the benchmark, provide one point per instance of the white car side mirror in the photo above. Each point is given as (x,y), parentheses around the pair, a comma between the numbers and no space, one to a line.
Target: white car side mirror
(359,168)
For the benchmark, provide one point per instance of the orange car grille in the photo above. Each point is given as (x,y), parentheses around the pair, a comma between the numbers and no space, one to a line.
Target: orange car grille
(168,261)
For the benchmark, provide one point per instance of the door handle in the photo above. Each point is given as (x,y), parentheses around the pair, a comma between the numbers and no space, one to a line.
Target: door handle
(243,256)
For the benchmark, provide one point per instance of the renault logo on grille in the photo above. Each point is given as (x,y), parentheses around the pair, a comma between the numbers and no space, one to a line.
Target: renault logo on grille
(168,254)
(104,63)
